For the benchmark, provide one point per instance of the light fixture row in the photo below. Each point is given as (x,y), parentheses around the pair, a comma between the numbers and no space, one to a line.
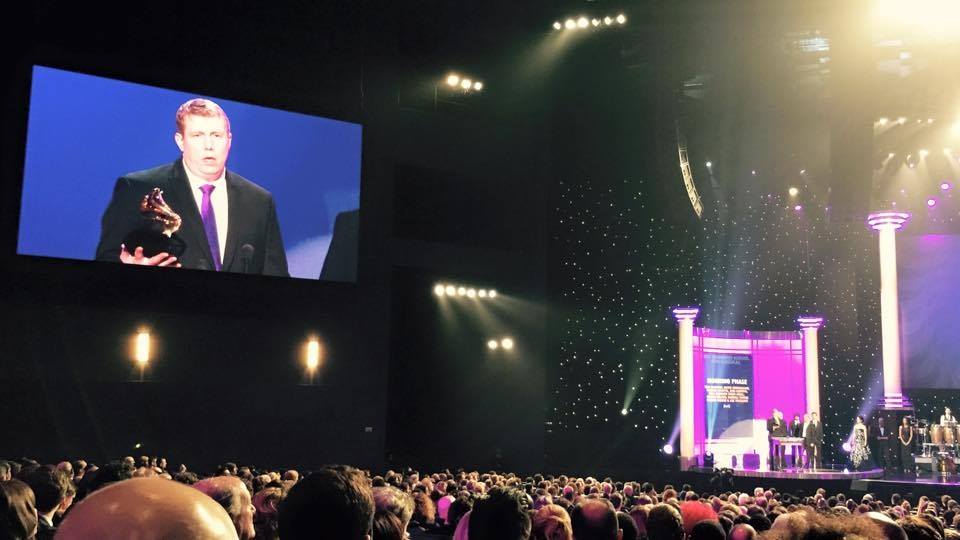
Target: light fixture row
(582,22)
(464,83)
(447,289)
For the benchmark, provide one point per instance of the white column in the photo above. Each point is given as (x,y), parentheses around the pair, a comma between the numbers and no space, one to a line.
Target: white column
(811,360)
(685,317)
(887,223)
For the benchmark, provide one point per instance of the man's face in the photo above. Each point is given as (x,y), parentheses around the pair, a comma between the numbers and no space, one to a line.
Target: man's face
(205,143)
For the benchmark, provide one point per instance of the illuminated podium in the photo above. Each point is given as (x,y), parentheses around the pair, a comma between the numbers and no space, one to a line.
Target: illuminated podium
(791,445)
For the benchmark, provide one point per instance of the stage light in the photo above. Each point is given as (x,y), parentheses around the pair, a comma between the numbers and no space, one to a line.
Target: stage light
(493,344)
(492,293)
(450,290)
(557,25)
(621,18)
(754,173)
(607,21)
(798,208)
(911,160)
(313,354)
(478,86)
(466,84)
(137,446)
(142,350)
(582,22)
(438,289)
(944,186)
(482,293)
(461,291)
(453,80)
(883,121)
(506,343)
(668,449)
(846,448)
(471,293)
(709,164)
(623,412)
(803,171)
(902,120)
(931,202)
(924,153)
(929,120)
(890,155)
(793,191)
(570,24)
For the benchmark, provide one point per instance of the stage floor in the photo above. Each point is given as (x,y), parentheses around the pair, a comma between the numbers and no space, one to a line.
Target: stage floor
(819,474)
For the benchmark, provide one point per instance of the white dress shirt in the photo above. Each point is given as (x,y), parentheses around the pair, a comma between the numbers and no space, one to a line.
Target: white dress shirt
(218,198)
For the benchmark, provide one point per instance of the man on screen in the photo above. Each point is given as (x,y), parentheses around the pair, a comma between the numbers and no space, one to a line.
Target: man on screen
(228,223)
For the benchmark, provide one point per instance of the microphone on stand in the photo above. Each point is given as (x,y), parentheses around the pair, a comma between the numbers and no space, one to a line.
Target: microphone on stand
(246,255)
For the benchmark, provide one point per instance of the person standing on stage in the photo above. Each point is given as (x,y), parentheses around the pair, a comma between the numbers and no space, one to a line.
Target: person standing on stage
(947,417)
(776,428)
(813,442)
(906,446)
(796,427)
(859,451)
(880,444)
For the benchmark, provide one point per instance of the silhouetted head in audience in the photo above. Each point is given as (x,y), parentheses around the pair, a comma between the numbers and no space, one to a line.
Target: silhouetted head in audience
(5,473)
(147,509)
(501,515)
(664,523)
(334,502)
(628,527)
(551,522)
(53,491)
(595,519)
(391,500)
(231,493)
(18,512)
(707,530)
(267,504)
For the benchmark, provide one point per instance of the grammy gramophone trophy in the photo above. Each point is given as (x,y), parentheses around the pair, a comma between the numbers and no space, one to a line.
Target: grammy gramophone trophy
(160,223)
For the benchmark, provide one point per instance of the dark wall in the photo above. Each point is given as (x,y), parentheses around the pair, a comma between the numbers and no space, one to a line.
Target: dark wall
(226,382)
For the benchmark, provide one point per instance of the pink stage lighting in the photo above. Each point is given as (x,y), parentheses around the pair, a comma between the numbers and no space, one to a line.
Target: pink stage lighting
(798,208)
(931,202)
(945,186)
(846,447)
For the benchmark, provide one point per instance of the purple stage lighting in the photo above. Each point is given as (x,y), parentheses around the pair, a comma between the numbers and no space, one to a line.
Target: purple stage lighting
(798,208)
(945,186)
(931,202)
(846,447)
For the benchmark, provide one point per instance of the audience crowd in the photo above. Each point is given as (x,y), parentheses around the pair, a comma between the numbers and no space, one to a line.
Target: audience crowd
(145,499)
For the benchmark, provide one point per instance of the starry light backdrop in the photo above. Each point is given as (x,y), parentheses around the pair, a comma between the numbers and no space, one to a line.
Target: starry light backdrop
(754,262)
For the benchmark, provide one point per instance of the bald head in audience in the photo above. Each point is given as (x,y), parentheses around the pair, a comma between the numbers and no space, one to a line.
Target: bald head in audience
(232,494)
(595,519)
(147,509)
(742,531)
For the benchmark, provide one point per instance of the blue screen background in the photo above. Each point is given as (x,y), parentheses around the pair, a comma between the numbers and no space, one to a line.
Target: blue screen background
(84,132)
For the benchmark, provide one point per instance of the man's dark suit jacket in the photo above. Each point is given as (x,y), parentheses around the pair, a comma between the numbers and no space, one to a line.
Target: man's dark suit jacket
(814,435)
(776,431)
(252,219)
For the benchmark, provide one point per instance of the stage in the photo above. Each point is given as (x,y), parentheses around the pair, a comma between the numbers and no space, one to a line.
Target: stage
(835,480)
(819,474)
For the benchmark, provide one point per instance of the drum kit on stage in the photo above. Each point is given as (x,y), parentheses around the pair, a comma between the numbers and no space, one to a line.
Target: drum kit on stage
(940,443)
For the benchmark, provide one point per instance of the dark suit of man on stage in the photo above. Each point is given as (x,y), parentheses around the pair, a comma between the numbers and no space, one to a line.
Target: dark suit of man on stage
(776,427)
(228,223)
(813,442)
(880,441)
